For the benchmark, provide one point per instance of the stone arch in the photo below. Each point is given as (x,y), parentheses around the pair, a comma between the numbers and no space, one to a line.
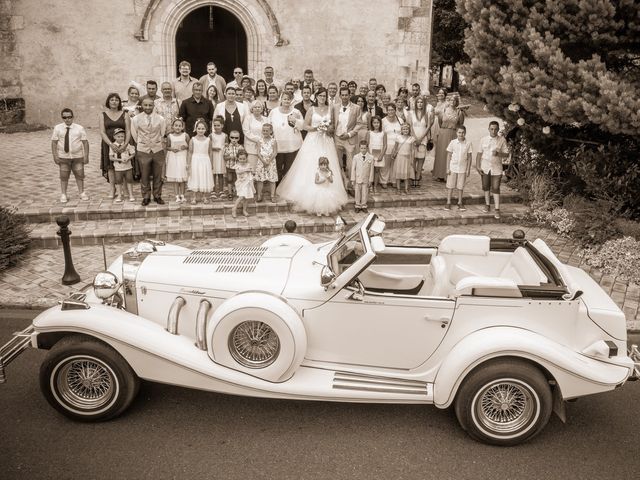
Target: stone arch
(162,18)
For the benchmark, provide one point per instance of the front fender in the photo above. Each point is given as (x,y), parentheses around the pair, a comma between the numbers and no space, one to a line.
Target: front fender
(575,374)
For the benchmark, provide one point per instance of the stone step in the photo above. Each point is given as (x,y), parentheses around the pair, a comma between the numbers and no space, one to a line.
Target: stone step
(108,210)
(129,230)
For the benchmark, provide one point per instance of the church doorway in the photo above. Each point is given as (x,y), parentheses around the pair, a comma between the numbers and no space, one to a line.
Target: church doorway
(212,34)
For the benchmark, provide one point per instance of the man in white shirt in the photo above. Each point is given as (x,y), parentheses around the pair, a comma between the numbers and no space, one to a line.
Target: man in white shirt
(347,122)
(268,78)
(148,130)
(493,149)
(70,150)
(183,85)
(332,92)
(237,78)
(459,156)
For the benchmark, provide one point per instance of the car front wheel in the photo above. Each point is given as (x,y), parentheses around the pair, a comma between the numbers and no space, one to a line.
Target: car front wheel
(505,402)
(87,380)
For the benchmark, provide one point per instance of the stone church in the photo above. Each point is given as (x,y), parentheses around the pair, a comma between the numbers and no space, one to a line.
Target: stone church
(58,53)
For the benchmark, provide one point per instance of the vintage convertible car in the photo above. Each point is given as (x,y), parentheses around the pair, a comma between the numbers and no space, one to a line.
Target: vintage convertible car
(497,328)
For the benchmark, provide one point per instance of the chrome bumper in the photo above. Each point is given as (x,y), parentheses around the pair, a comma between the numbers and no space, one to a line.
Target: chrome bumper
(634,354)
(14,347)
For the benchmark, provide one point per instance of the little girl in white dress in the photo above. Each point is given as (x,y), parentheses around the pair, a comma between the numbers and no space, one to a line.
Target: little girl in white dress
(199,163)
(244,182)
(323,196)
(177,146)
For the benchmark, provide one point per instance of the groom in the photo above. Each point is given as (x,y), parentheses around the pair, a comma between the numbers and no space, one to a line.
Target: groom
(346,121)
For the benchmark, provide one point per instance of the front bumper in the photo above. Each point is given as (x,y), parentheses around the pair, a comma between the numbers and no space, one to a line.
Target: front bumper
(13,348)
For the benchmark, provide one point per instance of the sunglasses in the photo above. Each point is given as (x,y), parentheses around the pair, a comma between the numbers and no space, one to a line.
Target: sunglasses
(237,73)
(67,117)
(234,138)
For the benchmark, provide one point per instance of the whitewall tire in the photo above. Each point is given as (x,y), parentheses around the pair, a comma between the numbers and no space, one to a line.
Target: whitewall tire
(504,402)
(87,380)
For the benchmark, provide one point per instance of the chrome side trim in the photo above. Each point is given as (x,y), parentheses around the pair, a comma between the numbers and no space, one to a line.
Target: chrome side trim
(13,348)
(201,324)
(174,315)
(379,384)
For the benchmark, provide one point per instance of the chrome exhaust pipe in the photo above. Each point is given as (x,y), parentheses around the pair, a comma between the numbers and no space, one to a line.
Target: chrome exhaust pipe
(174,315)
(201,324)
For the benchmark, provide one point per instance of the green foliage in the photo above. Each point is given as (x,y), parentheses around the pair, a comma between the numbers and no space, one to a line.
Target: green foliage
(620,256)
(567,72)
(14,239)
(447,34)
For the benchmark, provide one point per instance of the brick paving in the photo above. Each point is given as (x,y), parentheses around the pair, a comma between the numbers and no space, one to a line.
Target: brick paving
(35,282)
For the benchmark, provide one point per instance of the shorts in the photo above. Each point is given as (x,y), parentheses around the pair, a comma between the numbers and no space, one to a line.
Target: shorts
(124,175)
(456,180)
(75,165)
(491,182)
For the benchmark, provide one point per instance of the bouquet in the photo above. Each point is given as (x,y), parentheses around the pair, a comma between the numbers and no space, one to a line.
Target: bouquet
(323,126)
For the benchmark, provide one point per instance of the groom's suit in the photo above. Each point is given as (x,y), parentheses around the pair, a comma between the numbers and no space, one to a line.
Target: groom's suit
(346,120)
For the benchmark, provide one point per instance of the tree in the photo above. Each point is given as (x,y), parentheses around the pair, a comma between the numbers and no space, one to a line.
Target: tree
(566,71)
(447,37)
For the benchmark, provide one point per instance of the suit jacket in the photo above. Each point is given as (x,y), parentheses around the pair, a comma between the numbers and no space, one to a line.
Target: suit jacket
(354,124)
(219,82)
(376,111)
(361,170)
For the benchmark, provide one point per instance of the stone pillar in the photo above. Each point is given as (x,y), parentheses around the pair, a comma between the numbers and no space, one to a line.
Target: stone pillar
(414,27)
(12,106)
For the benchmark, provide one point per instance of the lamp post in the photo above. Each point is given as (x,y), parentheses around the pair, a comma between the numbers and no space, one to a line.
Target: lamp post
(70,275)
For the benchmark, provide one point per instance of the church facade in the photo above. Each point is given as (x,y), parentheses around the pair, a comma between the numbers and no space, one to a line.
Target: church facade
(72,53)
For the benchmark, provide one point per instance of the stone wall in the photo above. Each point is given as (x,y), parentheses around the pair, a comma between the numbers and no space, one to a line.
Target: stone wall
(74,53)
(12,105)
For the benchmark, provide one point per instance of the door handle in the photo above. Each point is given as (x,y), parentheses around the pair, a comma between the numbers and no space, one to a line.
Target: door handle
(444,321)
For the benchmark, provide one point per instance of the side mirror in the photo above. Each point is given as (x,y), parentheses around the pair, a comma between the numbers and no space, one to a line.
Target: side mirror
(327,277)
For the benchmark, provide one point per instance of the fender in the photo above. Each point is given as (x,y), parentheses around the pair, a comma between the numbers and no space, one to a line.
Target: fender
(575,374)
(271,309)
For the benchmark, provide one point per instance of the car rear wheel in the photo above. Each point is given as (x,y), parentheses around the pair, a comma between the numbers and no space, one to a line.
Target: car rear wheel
(505,402)
(87,380)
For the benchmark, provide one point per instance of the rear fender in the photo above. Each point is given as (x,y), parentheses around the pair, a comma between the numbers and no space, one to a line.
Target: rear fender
(575,374)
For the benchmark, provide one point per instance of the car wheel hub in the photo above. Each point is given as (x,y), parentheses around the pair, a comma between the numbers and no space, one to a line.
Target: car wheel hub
(85,383)
(505,407)
(254,344)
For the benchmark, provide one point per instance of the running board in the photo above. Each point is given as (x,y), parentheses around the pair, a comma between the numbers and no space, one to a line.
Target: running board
(371,383)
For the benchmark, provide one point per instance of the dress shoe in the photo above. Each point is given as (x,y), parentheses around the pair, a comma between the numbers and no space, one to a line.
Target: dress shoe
(364,210)
(159,200)
(145,202)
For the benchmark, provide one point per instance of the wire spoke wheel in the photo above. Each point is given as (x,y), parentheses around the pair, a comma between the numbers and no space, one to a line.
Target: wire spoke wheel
(85,383)
(254,344)
(505,407)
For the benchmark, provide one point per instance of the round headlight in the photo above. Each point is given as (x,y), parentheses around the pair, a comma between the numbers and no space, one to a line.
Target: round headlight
(105,285)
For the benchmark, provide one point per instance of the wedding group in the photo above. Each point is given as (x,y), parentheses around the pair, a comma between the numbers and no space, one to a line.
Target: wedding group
(298,141)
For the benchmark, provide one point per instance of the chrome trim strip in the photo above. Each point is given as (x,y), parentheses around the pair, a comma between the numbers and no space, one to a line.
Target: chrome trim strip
(174,315)
(422,392)
(380,384)
(13,348)
(201,324)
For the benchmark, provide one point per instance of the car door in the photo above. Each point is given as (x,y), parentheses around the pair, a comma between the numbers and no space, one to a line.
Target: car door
(377,329)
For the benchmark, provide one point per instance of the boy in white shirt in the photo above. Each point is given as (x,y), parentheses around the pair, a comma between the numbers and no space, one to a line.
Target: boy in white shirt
(459,157)
(493,150)
(361,175)
(122,165)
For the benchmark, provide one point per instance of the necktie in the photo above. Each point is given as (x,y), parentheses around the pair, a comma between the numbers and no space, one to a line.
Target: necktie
(149,121)
(66,140)
(344,109)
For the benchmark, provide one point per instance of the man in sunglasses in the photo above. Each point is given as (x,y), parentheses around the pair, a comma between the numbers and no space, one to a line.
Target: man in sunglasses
(237,78)
(70,149)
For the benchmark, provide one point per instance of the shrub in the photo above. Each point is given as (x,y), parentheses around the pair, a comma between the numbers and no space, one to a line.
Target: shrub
(593,221)
(620,256)
(15,237)
(628,228)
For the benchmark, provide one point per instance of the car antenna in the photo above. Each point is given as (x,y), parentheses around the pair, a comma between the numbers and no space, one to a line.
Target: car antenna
(104,254)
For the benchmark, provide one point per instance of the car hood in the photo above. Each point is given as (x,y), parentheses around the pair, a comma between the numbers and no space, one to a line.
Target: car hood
(229,269)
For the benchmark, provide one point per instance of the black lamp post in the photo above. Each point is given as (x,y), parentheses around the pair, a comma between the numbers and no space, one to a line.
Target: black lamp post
(70,275)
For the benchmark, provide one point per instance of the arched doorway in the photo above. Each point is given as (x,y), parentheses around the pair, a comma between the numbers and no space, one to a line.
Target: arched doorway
(212,34)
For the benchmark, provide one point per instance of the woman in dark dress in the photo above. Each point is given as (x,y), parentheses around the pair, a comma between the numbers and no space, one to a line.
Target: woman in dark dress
(111,118)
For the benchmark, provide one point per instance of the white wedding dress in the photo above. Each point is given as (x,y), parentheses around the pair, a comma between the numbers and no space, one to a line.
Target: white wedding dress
(298,185)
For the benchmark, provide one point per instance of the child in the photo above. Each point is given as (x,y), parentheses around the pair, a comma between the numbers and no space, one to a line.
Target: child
(177,146)
(459,154)
(244,182)
(404,153)
(199,163)
(377,139)
(324,176)
(122,165)
(218,140)
(266,170)
(70,149)
(361,170)
(230,156)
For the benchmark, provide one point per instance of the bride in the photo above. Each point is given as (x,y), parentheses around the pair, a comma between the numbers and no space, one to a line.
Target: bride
(309,185)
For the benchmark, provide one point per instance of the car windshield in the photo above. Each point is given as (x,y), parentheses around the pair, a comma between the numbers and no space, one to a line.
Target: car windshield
(350,247)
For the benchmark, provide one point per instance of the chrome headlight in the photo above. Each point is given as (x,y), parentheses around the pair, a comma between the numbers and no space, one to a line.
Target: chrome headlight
(105,285)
